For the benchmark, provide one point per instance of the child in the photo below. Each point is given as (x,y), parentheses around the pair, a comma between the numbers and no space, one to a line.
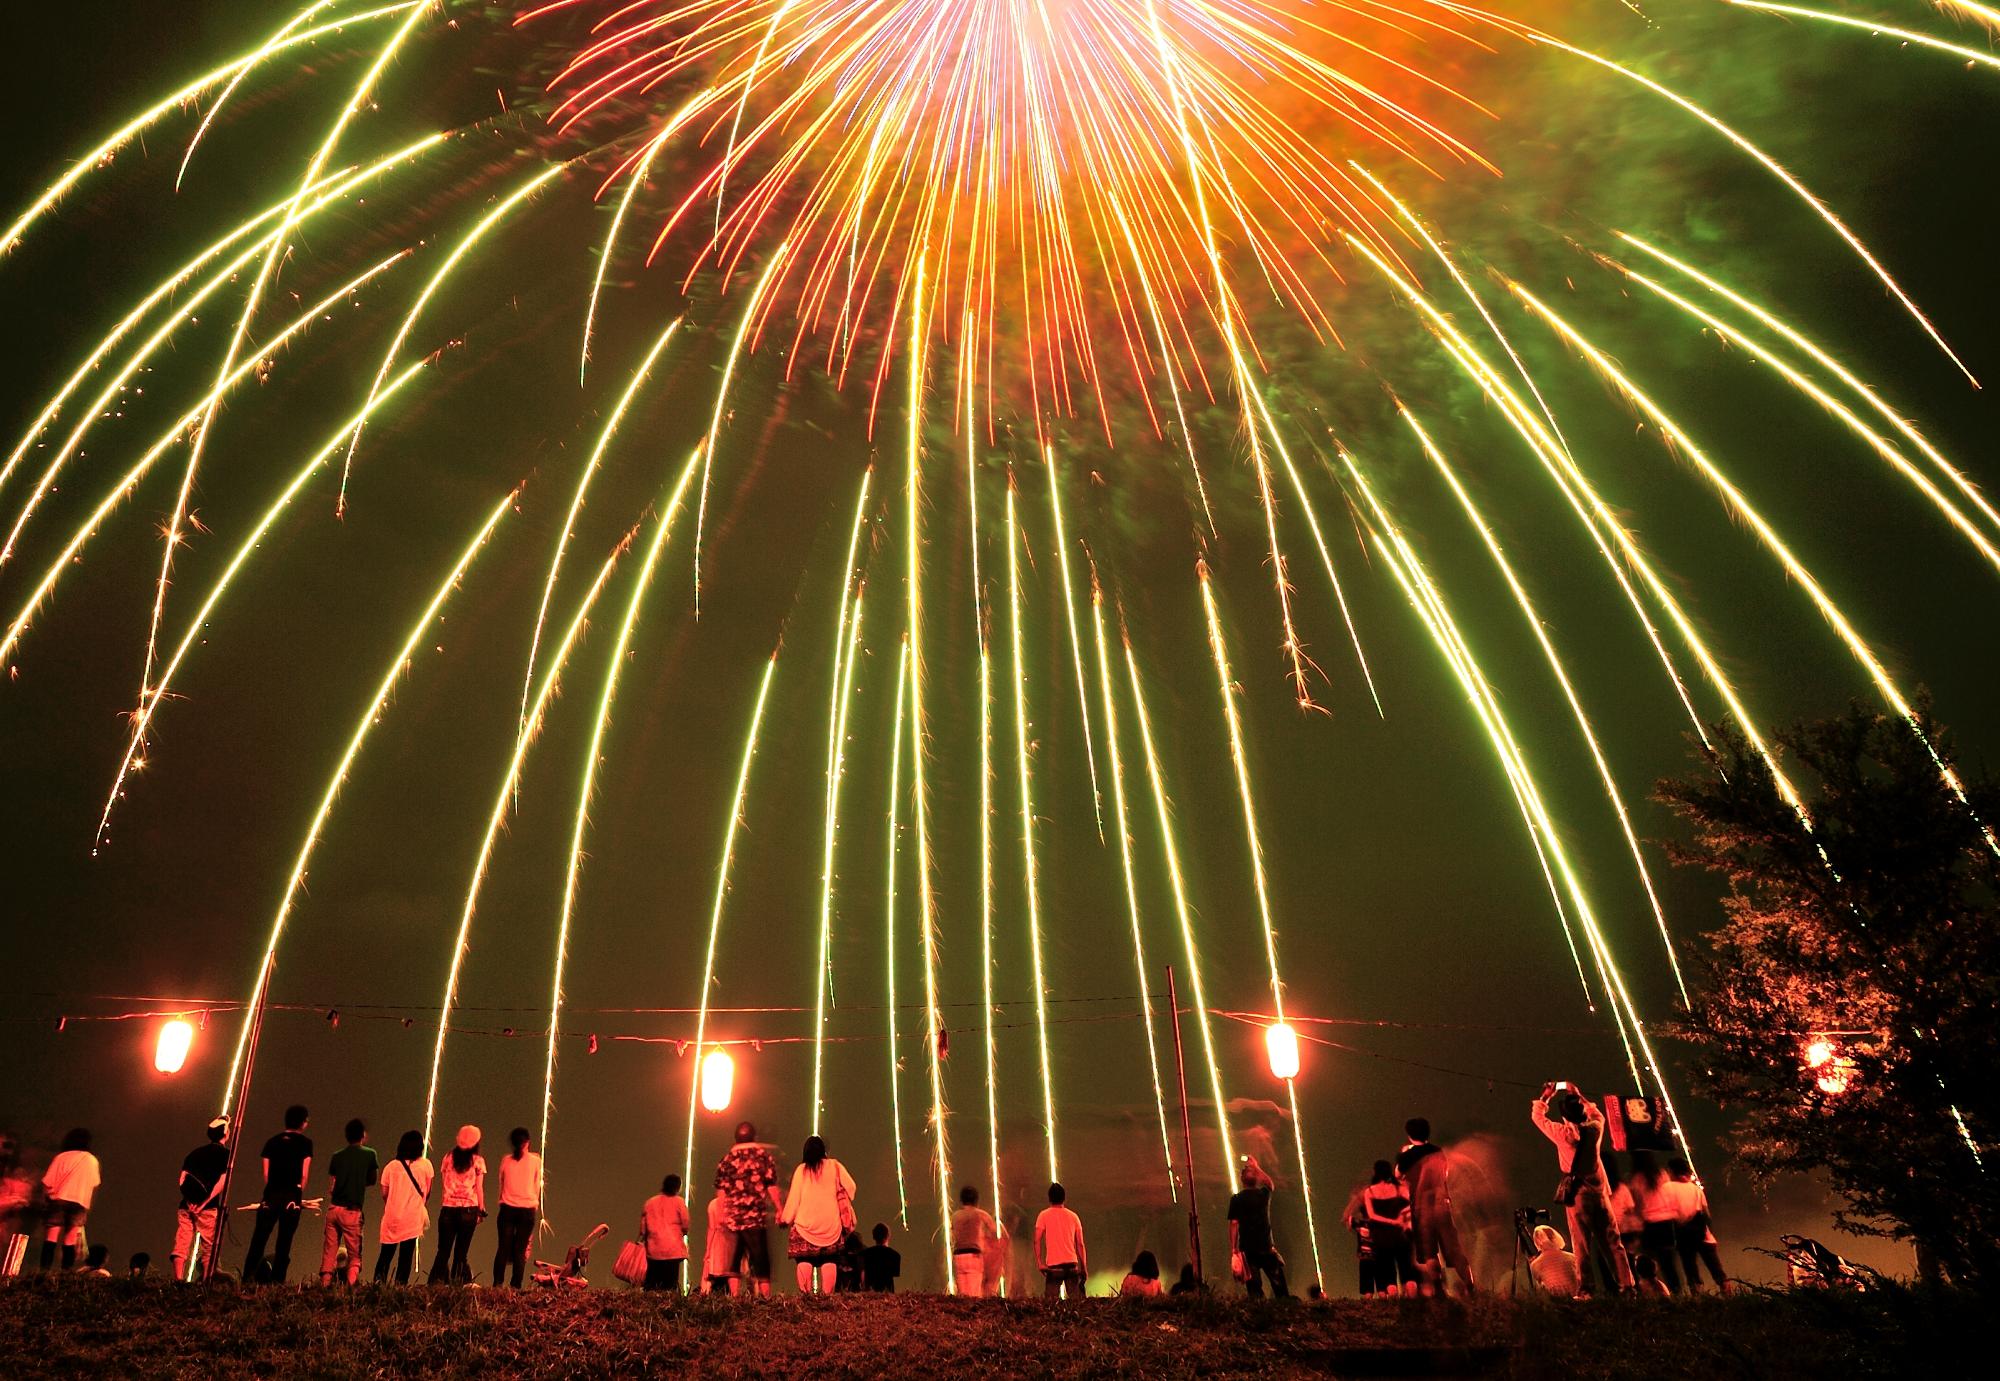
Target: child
(718,1266)
(881,1263)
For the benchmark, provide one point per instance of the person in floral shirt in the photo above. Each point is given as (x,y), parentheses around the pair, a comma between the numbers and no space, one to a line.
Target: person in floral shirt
(747,1180)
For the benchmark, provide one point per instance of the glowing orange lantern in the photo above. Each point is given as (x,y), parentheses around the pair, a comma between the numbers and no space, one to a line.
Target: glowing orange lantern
(170,1052)
(718,1080)
(1281,1043)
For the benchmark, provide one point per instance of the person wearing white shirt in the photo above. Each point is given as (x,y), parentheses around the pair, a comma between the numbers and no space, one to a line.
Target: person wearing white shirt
(1059,1250)
(520,1206)
(1694,1238)
(69,1184)
(406,1184)
(973,1233)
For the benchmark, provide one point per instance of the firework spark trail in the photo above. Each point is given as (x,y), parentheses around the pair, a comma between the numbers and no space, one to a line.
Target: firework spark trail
(836,739)
(101,156)
(1874,27)
(1075,635)
(889,923)
(1761,353)
(1029,874)
(750,311)
(398,667)
(590,468)
(1738,504)
(184,312)
(1537,627)
(496,819)
(1253,839)
(1122,818)
(1190,949)
(506,206)
(142,716)
(276,42)
(737,803)
(129,481)
(982,636)
(1792,184)
(1811,350)
(614,667)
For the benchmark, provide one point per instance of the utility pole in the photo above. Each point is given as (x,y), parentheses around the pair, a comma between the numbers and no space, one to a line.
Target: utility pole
(1187,1130)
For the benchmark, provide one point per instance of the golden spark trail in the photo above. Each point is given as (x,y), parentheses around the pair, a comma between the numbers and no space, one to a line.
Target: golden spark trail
(470,241)
(836,740)
(1122,817)
(398,667)
(101,156)
(736,808)
(1075,637)
(1190,950)
(590,467)
(166,442)
(1555,663)
(750,310)
(1253,839)
(889,922)
(614,667)
(981,634)
(1875,27)
(1029,873)
(271,45)
(524,740)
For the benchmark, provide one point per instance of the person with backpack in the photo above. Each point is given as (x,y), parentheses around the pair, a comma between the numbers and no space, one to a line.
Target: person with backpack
(406,1184)
(69,1184)
(663,1231)
(520,1206)
(204,1180)
(461,1207)
(351,1170)
(820,1211)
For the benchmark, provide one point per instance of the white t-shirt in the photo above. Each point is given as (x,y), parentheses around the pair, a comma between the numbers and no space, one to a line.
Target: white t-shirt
(1059,1234)
(813,1206)
(464,1188)
(72,1177)
(665,1219)
(404,1185)
(1685,1198)
(521,1180)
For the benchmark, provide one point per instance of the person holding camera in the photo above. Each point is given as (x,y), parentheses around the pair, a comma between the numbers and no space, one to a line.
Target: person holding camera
(1573,1123)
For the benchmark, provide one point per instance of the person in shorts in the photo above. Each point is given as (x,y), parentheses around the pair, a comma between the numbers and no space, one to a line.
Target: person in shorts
(351,1171)
(747,1179)
(68,1184)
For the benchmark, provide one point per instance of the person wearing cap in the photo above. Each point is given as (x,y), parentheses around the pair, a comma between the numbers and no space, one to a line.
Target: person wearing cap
(462,1206)
(204,1176)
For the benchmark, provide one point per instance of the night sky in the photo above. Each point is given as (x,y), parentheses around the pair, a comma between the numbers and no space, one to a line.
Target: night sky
(1406,896)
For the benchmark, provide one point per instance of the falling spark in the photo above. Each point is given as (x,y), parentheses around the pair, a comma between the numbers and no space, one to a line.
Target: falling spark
(1075,637)
(889,924)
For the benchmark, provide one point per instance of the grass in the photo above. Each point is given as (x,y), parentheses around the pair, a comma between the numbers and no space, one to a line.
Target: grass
(74,1327)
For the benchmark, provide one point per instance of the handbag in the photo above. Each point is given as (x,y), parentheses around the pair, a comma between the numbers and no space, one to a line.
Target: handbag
(1566,1190)
(631,1264)
(848,1222)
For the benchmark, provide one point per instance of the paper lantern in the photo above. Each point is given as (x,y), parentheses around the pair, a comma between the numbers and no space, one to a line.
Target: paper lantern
(1281,1042)
(170,1052)
(718,1080)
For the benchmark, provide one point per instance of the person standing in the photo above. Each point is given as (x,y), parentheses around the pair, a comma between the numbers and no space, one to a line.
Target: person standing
(69,1184)
(819,1209)
(663,1228)
(204,1180)
(1426,1174)
(747,1179)
(520,1206)
(1251,1250)
(460,1208)
(406,1184)
(1656,1217)
(350,1172)
(1576,1129)
(1059,1249)
(719,1256)
(287,1167)
(1382,1222)
(973,1233)
(881,1263)
(1694,1237)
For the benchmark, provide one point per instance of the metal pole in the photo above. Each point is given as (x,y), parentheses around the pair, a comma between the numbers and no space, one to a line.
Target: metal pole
(1187,1130)
(237,1109)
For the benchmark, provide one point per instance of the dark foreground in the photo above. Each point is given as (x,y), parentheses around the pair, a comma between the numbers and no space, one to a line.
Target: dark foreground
(103,1328)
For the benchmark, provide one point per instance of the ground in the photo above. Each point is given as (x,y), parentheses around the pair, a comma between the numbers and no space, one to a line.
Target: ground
(74,1327)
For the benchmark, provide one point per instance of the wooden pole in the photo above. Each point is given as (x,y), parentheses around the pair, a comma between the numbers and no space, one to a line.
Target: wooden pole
(1187,1130)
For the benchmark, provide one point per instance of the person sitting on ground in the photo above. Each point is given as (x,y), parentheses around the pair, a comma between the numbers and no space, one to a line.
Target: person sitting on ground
(96,1263)
(747,1177)
(350,1170)
(1694,1238)
(1425,1171)
(1059,1249)
(881,1263)
(719,1256)
(819,1210)
(1646,1279)
(1189,1283)
(663,1228)
(140,1266)
(973,1232)
(204,1179)
(1553,1267)
(1144,1280)
(67,1185)
(1252,1254)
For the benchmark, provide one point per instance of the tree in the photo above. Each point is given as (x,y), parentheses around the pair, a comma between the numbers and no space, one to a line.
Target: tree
(1848,1008)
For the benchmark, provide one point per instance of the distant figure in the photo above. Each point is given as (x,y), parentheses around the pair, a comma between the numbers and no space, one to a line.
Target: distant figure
(204,1181)
(520,1207)
(1388,1264)
(1252,1253)
(973,1232)
(718,1263)
(406,1184)
(1656,1217)
(881,1263)
(747,1178)
(1627,1223)
(97,1263)
(461,1206)
(819,1210)
(287,1167)
(1143,1281)
(17,1195)
(68,1184)
(1188,1284)
(1426,1175)
(1314,1294)
(140,1266)
(350,1171)
(663,1228)
(1694,1238)
(1646,1279)
(847,1270)
(1553,1268)
(1573,1124)
(1059,1250)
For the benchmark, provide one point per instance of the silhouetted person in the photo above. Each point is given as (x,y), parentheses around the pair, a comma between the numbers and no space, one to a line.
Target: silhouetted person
(350,1172)
(880,1263)
(287,1166)
(1426,1176)
(203,1183)
(1250,1234)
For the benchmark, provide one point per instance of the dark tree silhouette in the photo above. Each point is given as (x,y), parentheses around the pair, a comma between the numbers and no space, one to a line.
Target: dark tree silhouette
(1848,1008)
